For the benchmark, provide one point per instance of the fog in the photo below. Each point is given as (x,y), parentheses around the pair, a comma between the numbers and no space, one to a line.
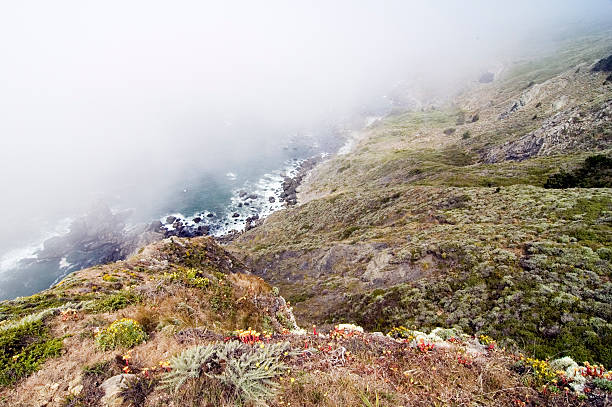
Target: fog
(96,94)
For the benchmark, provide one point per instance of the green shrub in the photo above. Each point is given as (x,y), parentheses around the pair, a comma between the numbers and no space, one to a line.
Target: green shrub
(124,333)
(26,305)
(109,278)
(243,370)
(603,384)
(117,301)
(539,370)
(24,346)
(191,277)
(595,172)
(222,297)
(99,368)
(400,332)
(348,232)
(553,300)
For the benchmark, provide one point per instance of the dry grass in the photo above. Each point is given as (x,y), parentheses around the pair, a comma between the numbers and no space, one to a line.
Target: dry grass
(164,306)
(379,371)
(50,385)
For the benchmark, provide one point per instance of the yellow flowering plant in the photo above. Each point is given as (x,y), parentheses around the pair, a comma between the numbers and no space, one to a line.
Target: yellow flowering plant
(124,333)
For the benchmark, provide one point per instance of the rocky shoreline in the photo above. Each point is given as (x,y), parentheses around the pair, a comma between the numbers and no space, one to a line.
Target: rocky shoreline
(103,236)
(290,184)
(287,194)
(99,237)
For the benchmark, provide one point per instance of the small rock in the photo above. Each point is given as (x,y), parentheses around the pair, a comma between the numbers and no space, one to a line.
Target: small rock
(76,389)
(113,387)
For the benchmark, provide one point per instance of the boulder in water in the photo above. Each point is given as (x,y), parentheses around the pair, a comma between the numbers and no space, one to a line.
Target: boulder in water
(155,226)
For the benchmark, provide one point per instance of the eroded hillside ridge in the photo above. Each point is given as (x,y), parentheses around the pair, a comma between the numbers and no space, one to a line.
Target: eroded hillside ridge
(438,217)
(567,131)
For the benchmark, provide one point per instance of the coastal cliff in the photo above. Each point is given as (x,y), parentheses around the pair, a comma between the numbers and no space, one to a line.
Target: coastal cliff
(459,254)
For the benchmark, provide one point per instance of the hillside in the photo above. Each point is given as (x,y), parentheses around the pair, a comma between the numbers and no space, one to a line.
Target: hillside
(444,216)
(185,323)
(460,254)
(173,293)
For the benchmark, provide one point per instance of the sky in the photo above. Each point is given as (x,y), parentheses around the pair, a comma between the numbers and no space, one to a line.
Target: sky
(97,93)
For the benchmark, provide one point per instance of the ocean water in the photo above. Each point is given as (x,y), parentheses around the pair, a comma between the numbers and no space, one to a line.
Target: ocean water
(219,194)
(222,198)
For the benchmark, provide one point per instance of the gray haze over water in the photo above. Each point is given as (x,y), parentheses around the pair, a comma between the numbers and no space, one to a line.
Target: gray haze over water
(125,100)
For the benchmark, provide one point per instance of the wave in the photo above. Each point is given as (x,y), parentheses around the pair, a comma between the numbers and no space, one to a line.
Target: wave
(252,200)
(10,260)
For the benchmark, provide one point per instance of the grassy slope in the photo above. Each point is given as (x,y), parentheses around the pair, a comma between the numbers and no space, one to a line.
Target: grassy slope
(413,228)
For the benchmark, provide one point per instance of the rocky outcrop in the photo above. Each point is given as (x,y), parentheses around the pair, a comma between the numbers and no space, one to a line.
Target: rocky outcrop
(251,222)
(181,228)
(290,184)
(603,65)
(530,95)
(101,234)
(570,130)
(99,237)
